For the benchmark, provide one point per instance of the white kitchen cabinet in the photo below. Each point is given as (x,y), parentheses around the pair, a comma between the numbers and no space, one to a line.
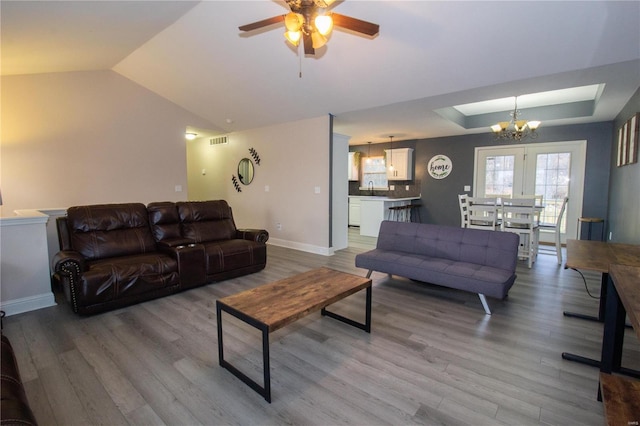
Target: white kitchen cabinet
(354,167)
(354,211)
(402,160)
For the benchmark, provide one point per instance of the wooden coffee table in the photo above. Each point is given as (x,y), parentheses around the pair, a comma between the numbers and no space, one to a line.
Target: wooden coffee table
(272,306)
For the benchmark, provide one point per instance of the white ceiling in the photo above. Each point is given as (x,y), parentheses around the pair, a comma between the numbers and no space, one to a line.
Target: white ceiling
(429,55)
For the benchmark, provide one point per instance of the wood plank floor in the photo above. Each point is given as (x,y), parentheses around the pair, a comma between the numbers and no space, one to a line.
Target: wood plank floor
(433,356)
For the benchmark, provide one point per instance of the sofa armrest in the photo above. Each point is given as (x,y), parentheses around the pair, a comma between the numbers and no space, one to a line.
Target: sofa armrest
(191,262)
(68,261)
(173,242)
(14,409)
(67,267)
(257,235)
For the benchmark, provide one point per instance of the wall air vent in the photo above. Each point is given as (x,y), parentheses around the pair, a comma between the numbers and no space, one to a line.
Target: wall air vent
(220,140)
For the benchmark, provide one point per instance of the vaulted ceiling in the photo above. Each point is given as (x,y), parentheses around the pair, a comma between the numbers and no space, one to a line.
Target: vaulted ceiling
(429,57)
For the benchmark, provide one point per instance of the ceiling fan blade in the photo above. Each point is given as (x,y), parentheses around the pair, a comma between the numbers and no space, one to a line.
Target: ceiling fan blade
(308,45)
(354,24)
(263,23)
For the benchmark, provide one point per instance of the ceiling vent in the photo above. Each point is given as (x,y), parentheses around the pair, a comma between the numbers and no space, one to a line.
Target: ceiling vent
(220,140)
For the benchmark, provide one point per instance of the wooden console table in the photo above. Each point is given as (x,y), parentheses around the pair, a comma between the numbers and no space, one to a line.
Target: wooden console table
(621,396)
(599,256)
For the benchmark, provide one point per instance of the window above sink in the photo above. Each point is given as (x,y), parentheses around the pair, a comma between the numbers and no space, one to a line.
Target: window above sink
(374,170)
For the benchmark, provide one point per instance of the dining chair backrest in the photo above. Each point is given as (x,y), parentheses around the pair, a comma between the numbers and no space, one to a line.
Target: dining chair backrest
(462,202)
(519,213)
(539,199)
(558,221)
(482,212)
(561,212)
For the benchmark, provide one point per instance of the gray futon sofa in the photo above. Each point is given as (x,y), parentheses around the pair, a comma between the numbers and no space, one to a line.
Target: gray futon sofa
(475,260)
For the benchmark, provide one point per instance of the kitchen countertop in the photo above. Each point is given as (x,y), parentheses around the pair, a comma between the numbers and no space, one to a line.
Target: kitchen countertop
(383,198)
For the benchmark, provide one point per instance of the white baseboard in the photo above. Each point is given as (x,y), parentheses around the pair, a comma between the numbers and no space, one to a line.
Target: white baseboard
(26,304)
(325,251)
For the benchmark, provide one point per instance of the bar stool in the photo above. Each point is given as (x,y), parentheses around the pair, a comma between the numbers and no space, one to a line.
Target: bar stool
(395,213)
(590,221)
(414,213)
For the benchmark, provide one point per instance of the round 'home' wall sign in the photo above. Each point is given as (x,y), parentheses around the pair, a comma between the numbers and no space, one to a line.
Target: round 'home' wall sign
(439,166)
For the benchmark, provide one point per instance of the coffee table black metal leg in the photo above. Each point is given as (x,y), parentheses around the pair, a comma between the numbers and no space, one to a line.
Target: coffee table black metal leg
(367,324)
(264,391)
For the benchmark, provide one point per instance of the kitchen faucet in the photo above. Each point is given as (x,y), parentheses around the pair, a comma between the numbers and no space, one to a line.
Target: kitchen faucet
(370,187)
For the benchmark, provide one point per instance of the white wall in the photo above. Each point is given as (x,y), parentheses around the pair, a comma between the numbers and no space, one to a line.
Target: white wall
(89,137)
(340,202)
(294,160)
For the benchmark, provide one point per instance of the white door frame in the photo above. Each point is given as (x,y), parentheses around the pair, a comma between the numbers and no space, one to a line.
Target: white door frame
(578,150)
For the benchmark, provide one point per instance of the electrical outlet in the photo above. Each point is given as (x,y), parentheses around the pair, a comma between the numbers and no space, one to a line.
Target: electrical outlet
(279,226)
(406,188)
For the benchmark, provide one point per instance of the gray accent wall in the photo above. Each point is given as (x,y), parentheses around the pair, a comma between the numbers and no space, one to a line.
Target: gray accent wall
(624,192)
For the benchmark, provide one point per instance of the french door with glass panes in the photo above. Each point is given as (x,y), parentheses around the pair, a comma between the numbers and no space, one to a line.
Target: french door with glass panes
(553,170)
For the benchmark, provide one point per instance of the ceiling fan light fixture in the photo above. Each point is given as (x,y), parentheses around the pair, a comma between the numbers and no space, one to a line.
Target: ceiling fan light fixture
(293,37)
(317,40)
(324,24)
(293,21)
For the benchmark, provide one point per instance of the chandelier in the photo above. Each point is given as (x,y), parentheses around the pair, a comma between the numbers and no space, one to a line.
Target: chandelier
(515,129)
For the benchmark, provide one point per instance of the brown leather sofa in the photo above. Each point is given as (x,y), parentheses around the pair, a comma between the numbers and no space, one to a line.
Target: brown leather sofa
(14,407)
(113,255)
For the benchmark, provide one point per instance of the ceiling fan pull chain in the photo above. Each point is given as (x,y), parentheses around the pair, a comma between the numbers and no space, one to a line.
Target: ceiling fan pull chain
(299,64)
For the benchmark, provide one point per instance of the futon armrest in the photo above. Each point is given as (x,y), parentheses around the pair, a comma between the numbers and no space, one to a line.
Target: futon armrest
(257,235)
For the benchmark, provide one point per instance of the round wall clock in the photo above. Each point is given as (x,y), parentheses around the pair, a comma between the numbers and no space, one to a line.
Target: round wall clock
(439,166)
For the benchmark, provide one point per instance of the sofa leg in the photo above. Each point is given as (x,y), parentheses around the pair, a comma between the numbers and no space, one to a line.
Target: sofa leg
(484,303)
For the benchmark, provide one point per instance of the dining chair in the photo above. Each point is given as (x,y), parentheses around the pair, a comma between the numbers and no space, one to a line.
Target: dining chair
(462,202)
(482,213)
(538,202)
(556,227)
(519,216)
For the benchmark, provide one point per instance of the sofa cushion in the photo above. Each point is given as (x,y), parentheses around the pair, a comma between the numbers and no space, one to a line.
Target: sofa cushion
(164,220)
(122,277)
(488,248)
(204,221)
(473,277)
(110,230)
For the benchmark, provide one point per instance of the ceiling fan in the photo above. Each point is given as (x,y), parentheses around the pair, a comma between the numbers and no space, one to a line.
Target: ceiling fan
(310,21)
